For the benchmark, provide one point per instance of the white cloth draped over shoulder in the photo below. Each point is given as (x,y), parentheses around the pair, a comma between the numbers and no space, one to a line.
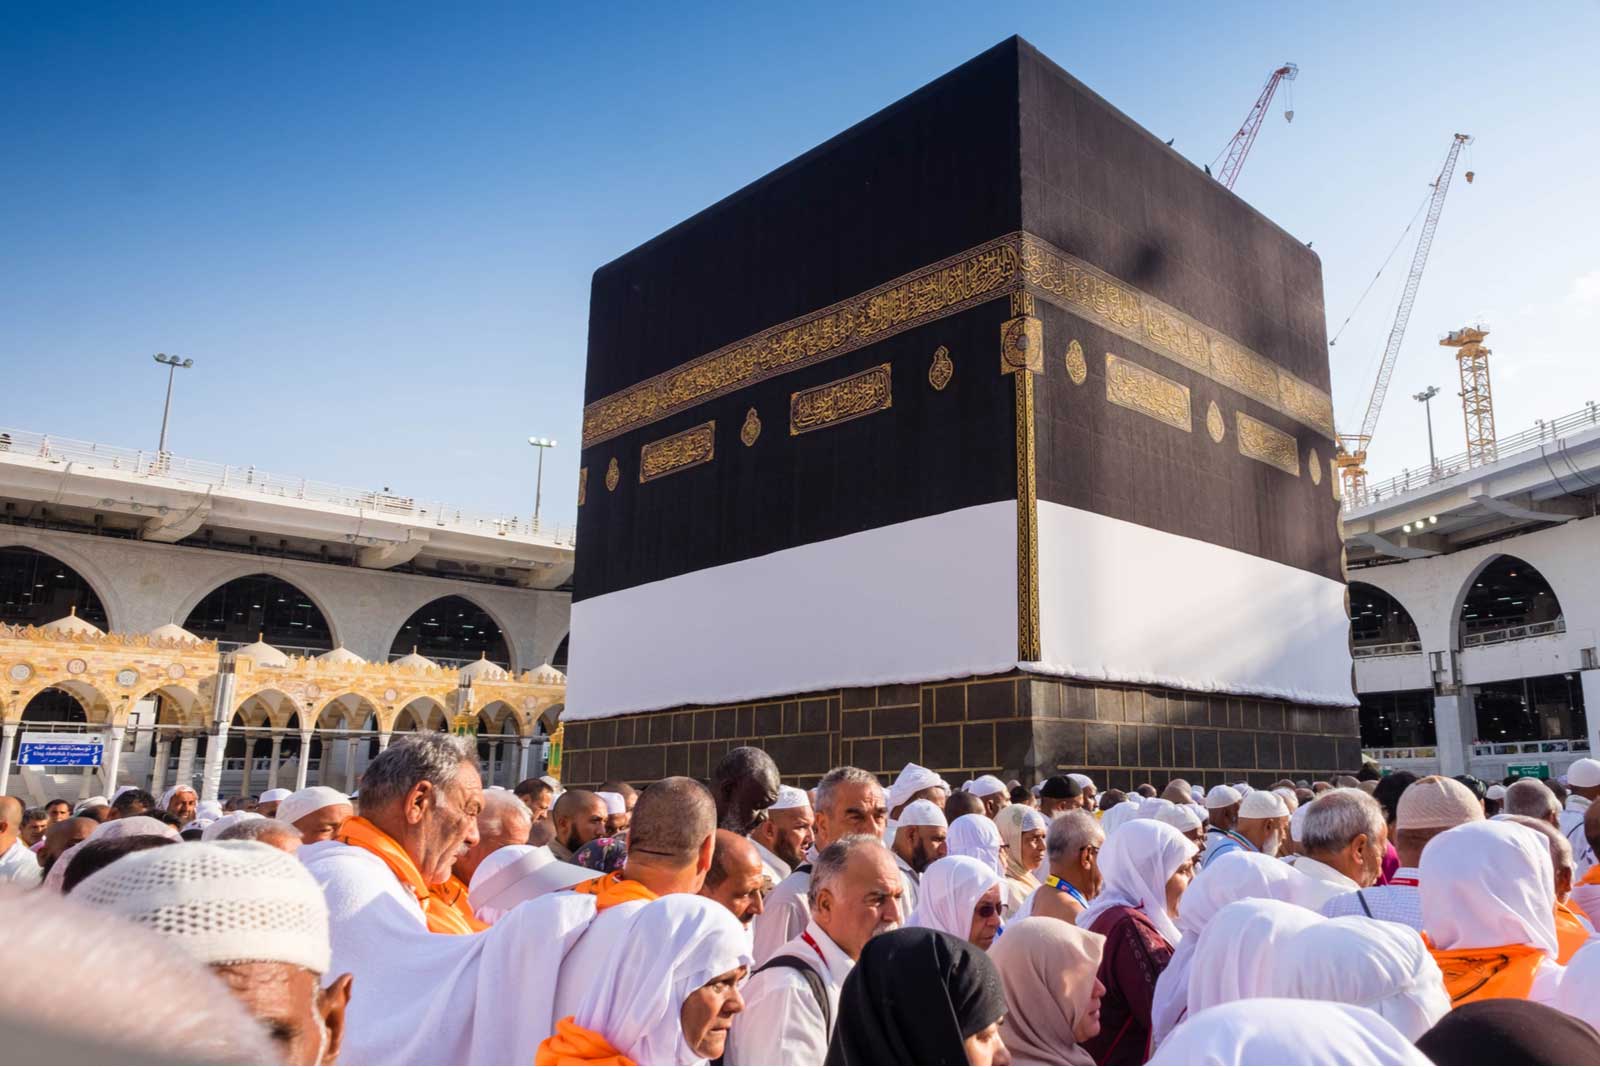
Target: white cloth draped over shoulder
(439,998)
(674,946)
(1239,951)
(951,888)
(1136,864)
(1298,1032)
(1367,963)
(1234,877)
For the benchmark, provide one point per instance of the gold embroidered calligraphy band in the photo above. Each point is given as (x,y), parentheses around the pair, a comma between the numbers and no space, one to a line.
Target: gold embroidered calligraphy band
(692,447)
(1143,390)
(1266,443)
(1005,265)
(840,401)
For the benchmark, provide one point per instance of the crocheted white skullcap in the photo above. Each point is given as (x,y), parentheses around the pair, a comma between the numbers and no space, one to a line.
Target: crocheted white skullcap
(221,901)
(303,802)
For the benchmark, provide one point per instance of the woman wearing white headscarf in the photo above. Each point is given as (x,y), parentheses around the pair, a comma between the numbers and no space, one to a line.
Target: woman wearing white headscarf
(1119,816)
(1293,1032)
(1023,830)
(1236,876)
(1146,866)
(1367,963)
(669,994)
(1488,911)
(950,895)
(977,836)
(1240,949)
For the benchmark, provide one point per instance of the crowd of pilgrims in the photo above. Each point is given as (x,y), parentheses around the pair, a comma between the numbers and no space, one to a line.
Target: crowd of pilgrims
(427,920)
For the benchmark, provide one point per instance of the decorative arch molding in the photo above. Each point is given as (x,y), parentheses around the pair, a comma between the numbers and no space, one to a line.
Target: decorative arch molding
(91,572)
(95,705)
(423,601)
(1358,587)
(232,571)
(1457,623)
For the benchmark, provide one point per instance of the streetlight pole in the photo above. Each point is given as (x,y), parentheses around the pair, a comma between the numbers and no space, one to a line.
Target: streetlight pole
(173,363)
(1426,395)
(541,443)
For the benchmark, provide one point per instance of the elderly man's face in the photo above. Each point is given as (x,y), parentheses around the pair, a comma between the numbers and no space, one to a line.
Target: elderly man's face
(742,890)
(183,804)
(864,902)
(450,825)
(707,1014)
(306,1023)
(858,808)
(493,834)
(324,823)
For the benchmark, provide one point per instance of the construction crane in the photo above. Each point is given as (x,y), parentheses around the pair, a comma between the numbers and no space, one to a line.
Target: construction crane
(1233,154)
(1477,402)
(1351,457)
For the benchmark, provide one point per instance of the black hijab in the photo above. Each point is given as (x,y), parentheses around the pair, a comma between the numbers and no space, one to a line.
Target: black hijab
(914,997)
(1501,1031)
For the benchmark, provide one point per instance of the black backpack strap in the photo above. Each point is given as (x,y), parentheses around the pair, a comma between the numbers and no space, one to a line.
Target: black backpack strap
(1361,898)
(818,988)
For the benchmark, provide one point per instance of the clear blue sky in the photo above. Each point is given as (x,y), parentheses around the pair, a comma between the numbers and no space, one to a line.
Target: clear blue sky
(373,225)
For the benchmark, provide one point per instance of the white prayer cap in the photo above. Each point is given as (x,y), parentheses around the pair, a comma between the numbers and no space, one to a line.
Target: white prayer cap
(1243,788)
(987,785)
(233,818)
(1083,780)
(88,802)
(121,789)
(1297,821)
(1263,804)
(208,809)
(912,780)
(1198,794)
(552,782)
(789,799)
(273,796)
(615,805)
(921,813)
(1290,799)
(303,802)
(221,901)
(1179,816)
(966,786)
(1496,792)
(509,875)
(1584,773)
(1222,796)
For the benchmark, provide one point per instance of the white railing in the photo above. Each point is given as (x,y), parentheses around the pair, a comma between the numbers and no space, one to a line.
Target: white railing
(1396,648)
(1514,633)
(1541,433)
(147,463)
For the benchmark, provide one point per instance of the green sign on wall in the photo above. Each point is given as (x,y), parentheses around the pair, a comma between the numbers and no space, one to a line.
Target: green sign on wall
(1529,770)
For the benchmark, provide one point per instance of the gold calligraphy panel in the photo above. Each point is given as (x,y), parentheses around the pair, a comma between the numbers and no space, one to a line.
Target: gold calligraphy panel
(1267,444)
(840,401)
(692,447)
(583,484)
(1143,390)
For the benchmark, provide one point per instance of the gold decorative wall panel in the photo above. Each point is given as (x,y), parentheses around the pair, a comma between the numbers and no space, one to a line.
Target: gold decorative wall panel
(1314,465)
(840,401)
(1077,366)
(1267,444)
(691,448)
(1143,390)
(1022,338)
(751,428)
(1028,641)
(1214,424)
(583,484)
(1016,262)
(613,475)
(940,371)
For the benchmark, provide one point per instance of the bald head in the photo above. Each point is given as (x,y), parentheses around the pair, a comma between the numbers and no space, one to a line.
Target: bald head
(62,836)
(10,821)
(961,803)
(672,836)
(743,783)
(504,820)
(736,879)
(579,817)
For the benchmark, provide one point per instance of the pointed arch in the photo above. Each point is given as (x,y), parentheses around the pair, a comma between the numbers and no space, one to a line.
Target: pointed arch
(39,587)
(454,628)
(1379,623)
(243,606)
(1505,598)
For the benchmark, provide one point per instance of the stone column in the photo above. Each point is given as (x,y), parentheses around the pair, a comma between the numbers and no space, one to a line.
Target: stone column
(110,759)
(221,721)
(305,759)
(158,773)
(277,755)
(524,745)
(186,751)
(383,740)
(249,758)
(1455,722)
(350,764)
(488,776)
(9,731)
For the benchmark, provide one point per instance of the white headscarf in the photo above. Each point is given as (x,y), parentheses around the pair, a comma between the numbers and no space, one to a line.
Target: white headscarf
(1235,876)
(948,892)
(1269,1031)
(977,836)
(1136,864)
(1239,950)
(1367,963)
(1119,816)
(1152,807)
(1486,884)
(674,946)
(1576,996)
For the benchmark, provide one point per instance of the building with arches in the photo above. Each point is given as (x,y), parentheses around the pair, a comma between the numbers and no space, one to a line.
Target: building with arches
(1475,609)
(239,629)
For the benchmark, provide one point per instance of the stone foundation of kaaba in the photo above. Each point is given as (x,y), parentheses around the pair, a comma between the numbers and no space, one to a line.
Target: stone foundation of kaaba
(1016,726)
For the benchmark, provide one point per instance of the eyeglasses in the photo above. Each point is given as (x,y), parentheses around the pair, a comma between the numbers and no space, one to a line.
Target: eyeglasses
(986,911)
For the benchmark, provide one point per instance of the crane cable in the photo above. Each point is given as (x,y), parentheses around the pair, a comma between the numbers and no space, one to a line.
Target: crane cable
(1381,269)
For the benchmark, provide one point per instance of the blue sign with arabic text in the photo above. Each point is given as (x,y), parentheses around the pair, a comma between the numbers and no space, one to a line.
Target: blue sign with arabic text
(61,750)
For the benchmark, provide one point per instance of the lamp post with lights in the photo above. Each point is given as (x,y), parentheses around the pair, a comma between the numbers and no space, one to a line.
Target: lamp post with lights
(173,364)
(541,443)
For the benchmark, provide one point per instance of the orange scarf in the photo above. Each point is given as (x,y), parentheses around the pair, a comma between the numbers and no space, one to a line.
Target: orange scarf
(444,906)
(1570,933)
(572,1044)
(1482,973)
(609,889)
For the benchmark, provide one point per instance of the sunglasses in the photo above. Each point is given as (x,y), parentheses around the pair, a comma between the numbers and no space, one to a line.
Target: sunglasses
(986,911)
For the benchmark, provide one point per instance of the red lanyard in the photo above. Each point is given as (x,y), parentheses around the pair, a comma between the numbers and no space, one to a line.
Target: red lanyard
(1402,881)
(806,937)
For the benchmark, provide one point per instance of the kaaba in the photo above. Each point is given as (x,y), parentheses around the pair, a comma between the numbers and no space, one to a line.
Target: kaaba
(991,434)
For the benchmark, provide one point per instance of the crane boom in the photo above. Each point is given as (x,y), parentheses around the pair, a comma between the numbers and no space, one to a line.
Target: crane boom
(1352,455)
(1234,153)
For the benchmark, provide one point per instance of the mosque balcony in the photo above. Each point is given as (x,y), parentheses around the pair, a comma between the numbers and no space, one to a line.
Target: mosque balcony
(157,496)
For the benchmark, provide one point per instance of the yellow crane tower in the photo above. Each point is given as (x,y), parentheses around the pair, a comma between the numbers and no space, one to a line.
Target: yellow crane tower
(1477,403)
